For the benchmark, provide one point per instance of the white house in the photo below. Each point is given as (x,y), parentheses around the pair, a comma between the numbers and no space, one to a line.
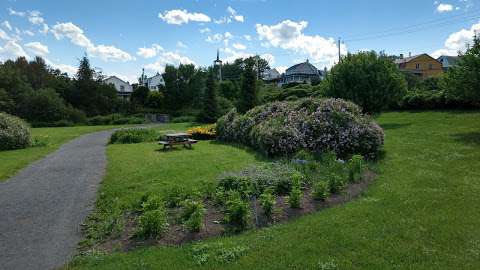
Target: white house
(448,61)
(271,75)
(152,83)
(124,89)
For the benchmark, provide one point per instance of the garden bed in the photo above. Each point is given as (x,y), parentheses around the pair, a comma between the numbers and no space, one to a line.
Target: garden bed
(177,234)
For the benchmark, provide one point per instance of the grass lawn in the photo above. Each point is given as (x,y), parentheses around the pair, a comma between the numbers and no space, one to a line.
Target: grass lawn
(12,161)
(421,213)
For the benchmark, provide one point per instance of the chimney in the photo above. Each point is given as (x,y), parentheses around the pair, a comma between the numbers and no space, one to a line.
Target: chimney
(401,56)
(410,54)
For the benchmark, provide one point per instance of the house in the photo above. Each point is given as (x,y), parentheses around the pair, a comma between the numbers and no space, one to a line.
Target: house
(124,89)
(422,65)
(302,73)
(271,75)
(448,61)
(152,83)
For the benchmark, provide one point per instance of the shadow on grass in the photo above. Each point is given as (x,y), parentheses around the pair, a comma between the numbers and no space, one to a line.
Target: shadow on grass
(471,138)
(394,125)
(258,156)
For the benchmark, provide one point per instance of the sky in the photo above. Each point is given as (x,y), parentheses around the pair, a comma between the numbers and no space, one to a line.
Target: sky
(121,37)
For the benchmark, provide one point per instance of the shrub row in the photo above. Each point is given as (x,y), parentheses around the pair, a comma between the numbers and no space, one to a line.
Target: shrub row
(317,125)
(134,135)
(203,132)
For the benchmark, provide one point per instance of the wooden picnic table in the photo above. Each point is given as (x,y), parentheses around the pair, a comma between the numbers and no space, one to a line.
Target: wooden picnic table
(177,139)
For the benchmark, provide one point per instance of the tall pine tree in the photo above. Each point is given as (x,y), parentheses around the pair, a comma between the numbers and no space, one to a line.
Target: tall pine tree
(209,112)
(248,91)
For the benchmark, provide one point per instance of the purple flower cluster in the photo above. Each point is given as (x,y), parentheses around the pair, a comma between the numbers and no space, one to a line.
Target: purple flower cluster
(317,125)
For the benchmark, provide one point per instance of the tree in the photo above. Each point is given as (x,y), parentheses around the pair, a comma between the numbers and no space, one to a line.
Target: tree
(44,105)
(248,91)
(209,112)
(155,100)
(374,82)
(462,83)
(140,95)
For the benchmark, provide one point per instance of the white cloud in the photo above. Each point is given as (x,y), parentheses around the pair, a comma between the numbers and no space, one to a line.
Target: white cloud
(16,13)
(247,37)
(270,58)
(181,45)
(7,25)
(281,69)
(149,52)
(458,41)
(231,55)
(232,16)
(35,17)
(217,38)
(170,58)
(4,35)
(179,17)
(441,8)
(69,69)
(12,50)
(37,48)
(205,30)
(29,33)
(289,35)
(76,35)
(239,46)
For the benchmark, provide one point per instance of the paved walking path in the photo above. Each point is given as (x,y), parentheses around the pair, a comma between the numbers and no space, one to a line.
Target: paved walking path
(42,207)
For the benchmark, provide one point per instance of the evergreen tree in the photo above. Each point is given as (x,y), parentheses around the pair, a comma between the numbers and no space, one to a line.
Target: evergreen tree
(462,83)
(209,112)
(248,91)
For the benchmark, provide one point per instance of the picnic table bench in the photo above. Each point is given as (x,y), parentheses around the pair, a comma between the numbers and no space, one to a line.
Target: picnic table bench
(177,139)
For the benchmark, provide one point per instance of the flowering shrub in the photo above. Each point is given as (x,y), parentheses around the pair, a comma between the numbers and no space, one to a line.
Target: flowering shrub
(14,133)
(316,125)
(203,132)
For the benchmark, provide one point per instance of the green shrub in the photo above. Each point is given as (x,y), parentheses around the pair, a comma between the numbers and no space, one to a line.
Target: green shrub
(174,195)
(152,202)
(40,141)
(355,168)
(336,183)
(237,213)
(314,125)
(321,190)
(134,135)
(295,197)
(267,201)
(240,184)
(152,223)
(192,215)
(14,133)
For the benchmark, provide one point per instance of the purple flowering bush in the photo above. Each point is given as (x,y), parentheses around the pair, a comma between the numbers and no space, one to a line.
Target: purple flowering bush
(316,125)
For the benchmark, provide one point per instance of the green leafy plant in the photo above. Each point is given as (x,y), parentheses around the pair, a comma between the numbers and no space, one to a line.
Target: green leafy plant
(152,203)
(152,223)
(296,194)
(267,201)
(355,168)
(335,182)
(237,213)
(321,190)
(192,215)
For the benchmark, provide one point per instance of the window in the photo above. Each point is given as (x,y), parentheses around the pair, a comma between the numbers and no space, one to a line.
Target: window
(417,66)
(122,88)
(430,66)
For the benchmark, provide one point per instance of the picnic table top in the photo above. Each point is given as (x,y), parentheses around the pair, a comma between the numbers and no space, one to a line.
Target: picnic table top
(177,135)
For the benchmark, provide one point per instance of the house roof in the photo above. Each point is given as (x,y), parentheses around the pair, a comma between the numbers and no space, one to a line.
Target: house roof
(452,60)
(115,77)
(408,59)
(302,68)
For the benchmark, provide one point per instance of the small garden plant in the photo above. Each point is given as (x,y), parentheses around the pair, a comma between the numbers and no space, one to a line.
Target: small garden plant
(237,213)
(267,201)
(192,215)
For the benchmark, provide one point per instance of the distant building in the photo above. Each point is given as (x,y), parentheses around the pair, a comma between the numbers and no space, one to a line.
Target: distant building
(422,65)
(152,83)
(448,61)
(217,64)
(124,89)
(271,75)
(302,73)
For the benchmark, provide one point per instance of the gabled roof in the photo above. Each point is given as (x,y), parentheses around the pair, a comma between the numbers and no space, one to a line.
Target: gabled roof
(115,77)
(408,59)
(302,68)
(452,60)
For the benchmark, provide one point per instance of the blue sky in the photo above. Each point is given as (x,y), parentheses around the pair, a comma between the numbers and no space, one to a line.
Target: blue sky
(121,37)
